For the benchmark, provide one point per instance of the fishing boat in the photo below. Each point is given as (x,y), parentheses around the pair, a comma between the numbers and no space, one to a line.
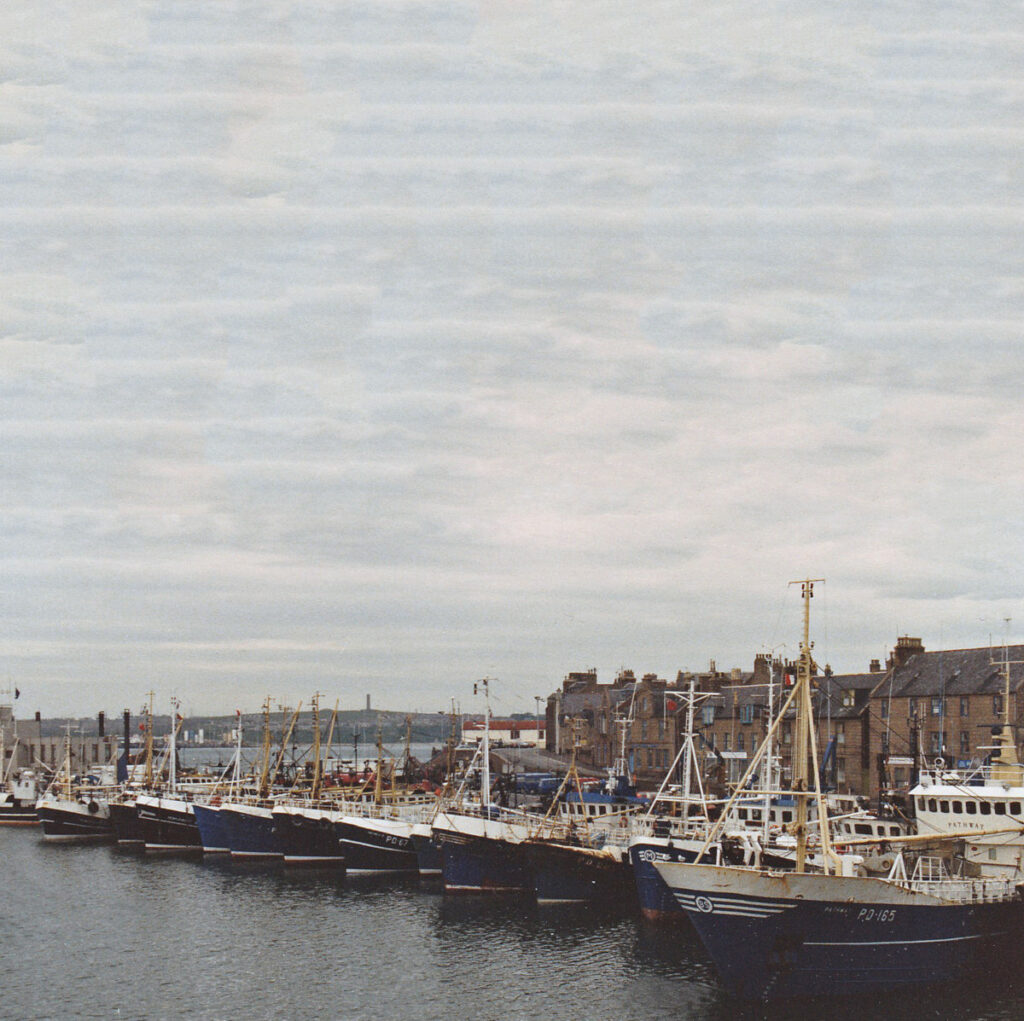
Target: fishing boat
(375,834)
(983,805)
(579,851)
(775,934)
(481,843)
(673,827)
(304,828)
(18,795)
(19,788)
(77,809)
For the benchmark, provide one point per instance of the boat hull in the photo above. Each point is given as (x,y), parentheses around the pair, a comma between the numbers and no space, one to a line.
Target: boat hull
(429,856)
(375,845)
(125,822)
(74,821)
(776,936)
(213,831)
(307,839)
(168,826)
(471,864)
(249,831)
(15,813)
(657,904)
(565,874)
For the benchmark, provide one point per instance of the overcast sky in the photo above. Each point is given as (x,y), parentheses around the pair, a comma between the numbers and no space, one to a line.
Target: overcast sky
(375,347)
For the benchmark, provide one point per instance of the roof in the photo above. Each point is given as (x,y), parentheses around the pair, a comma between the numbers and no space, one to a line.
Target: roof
(954,672)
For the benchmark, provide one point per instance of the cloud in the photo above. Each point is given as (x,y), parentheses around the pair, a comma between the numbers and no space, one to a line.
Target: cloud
(375,347)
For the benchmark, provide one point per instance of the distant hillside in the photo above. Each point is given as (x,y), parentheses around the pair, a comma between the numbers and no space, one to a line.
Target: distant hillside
(351,723)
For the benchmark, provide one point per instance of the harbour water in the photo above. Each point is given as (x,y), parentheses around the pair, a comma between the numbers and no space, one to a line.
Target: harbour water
(91,931)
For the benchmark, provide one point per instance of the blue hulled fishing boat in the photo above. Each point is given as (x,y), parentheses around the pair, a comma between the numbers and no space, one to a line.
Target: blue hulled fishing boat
(774,934)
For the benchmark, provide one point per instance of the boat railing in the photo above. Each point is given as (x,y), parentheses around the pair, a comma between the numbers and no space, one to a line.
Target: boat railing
(931,876)
(977,775)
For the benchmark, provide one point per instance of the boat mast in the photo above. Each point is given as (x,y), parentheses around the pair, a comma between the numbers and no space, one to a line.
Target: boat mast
(149,743)
(485,765)
(237,776)
(315,791)
(805,746)
(769,758)
(265,756)
(67,763)
(378,783)
(172,764)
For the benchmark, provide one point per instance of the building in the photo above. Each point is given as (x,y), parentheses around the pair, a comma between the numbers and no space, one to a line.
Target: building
(511,732)
(940,705)
(23,745)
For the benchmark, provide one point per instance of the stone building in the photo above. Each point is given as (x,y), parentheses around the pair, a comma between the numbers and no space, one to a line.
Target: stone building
(940,705)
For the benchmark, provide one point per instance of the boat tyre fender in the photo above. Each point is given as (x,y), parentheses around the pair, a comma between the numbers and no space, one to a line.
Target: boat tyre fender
(93,808)
(325,824)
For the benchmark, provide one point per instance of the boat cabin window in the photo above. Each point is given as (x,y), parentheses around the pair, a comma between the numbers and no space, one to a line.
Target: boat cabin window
(958,807)
(972,808)
(755,814)
(787,816)
(1000,807)
(894,831)
(863,828)
(742,813)
(986,808)
(944,806)
(1014,808)
(933,805)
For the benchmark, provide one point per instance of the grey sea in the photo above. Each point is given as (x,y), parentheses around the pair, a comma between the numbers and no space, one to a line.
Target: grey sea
(91,931)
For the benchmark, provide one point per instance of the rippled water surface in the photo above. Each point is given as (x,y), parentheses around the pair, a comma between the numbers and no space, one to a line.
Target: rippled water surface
(90,931)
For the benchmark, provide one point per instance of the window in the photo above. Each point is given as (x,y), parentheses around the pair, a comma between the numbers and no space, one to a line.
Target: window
(885,709)
(727,742)
(937,705)
(933,805)
(739,741)
(885,742)
(708,715)
(958,807)
(746,714)
(848,698)
(965,706)
(986,808)
(997,704)
(944,807)
(840,733)
(862,829)
(1014,808)
(972,808)
(965,742)
(1000,807)
(937,740)
(787,733)
(911,706)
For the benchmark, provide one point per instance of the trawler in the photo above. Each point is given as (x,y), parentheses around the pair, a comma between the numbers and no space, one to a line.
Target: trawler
(775,934)
(983,805)
(77,808)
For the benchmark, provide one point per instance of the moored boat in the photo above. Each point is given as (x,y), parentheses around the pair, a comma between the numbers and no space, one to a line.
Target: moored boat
(774,934)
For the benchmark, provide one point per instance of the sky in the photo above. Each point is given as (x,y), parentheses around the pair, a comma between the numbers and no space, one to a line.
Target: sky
(377,347)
